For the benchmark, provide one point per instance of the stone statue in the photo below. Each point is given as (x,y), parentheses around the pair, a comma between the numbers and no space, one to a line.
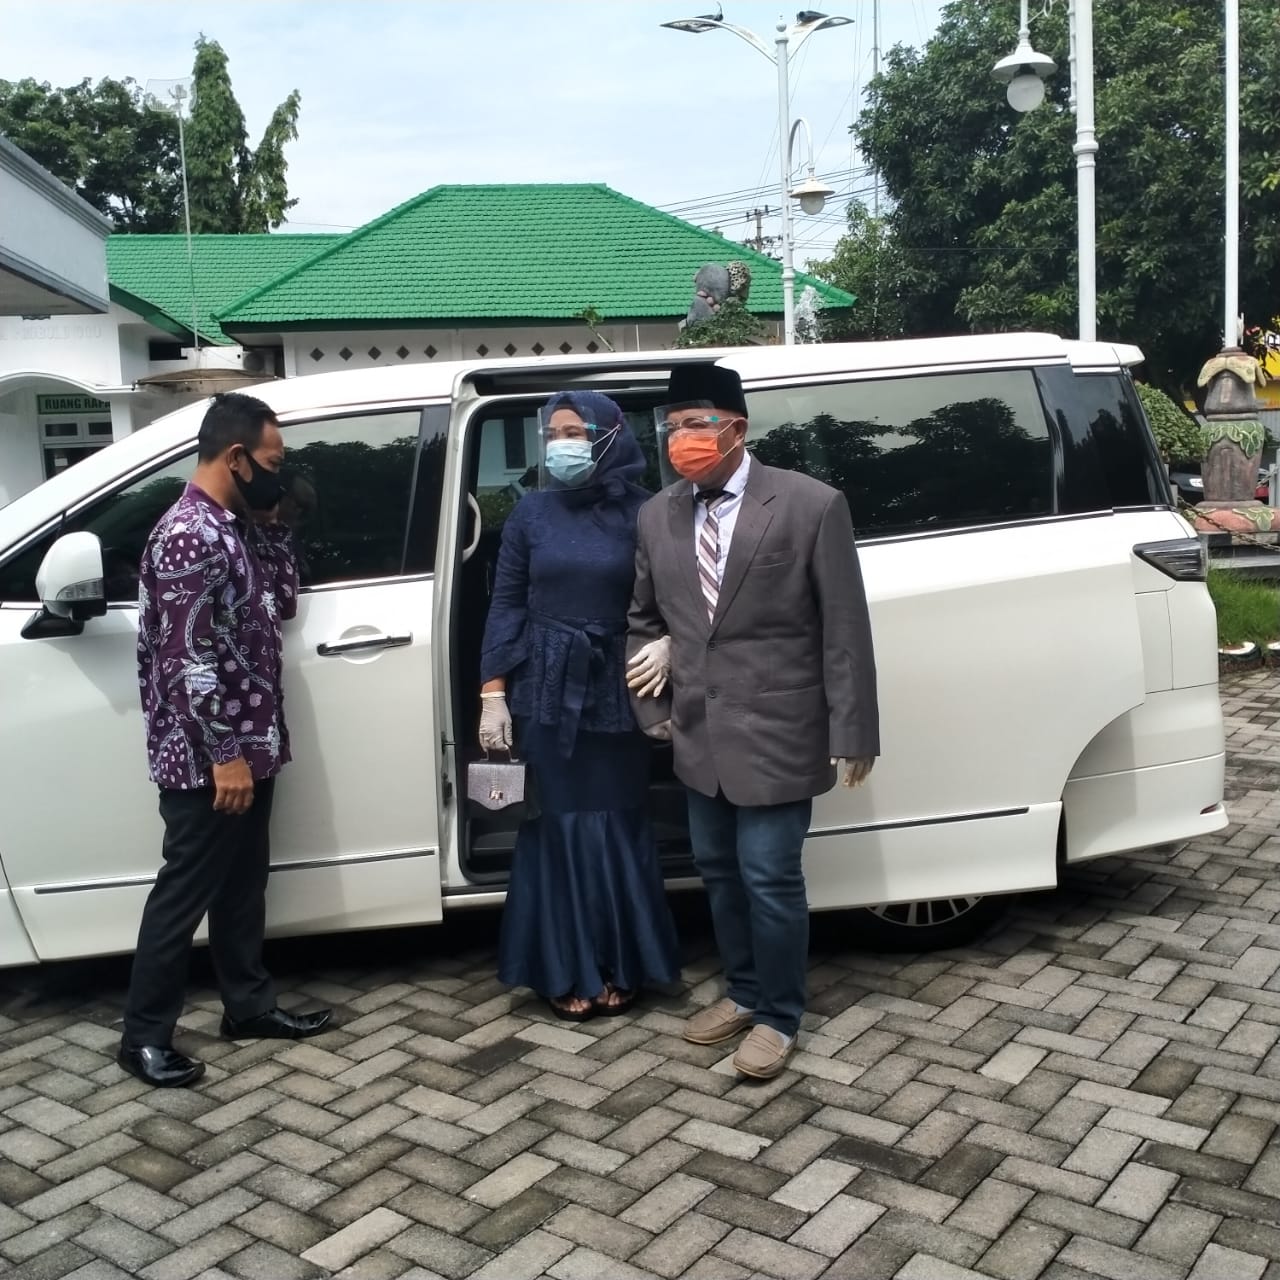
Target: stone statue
(1235,439)
(713,285)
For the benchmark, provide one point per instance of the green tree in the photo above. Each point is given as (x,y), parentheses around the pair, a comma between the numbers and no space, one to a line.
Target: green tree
(232,187)
(866,263)
(120,153)
(104,142)
(984,210)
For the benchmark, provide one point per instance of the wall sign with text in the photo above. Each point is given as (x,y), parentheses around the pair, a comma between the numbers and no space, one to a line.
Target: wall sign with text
(71,404)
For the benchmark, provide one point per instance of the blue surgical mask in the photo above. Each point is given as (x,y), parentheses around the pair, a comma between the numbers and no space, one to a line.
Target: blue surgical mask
(570,461)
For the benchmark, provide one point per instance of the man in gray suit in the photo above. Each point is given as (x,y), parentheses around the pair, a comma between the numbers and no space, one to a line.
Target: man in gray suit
(750,648)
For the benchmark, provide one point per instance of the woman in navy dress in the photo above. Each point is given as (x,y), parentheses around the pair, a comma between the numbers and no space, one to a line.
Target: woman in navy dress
(587,922)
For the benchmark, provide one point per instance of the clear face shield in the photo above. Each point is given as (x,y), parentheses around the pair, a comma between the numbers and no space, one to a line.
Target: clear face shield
(693,439)
(570,448)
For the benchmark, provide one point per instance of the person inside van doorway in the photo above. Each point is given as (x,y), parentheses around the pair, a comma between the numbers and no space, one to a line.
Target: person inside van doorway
(219,573)
(748,584)
(586,923)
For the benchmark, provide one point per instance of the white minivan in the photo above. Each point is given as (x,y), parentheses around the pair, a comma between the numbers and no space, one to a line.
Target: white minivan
(1045,641)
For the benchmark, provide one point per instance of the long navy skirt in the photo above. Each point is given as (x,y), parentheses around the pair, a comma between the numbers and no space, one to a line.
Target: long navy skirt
(586,903)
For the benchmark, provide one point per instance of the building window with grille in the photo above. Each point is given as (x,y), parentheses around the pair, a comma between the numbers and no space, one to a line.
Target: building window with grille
(71,428)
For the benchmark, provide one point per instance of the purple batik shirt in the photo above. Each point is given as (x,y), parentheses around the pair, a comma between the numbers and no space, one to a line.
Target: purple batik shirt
(212,595)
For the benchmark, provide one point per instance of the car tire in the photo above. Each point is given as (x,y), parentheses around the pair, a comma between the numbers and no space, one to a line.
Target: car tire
(926,926)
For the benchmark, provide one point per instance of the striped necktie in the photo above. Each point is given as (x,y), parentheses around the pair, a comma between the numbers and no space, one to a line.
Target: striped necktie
(709,550)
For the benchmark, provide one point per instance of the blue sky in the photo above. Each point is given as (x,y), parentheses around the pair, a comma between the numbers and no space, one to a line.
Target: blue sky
(398,95)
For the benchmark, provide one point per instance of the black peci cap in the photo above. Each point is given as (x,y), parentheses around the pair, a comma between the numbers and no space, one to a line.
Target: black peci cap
(712,383)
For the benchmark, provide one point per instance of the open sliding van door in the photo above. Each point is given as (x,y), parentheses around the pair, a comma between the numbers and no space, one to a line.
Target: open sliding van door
(490,462)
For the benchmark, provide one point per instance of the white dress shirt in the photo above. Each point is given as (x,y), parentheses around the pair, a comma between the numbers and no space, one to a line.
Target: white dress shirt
(726,511)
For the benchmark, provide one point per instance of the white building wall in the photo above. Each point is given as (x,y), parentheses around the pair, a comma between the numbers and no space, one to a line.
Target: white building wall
(323,352)
(83,348)
(102,356)
(47,226)
(21,462)
(132,344)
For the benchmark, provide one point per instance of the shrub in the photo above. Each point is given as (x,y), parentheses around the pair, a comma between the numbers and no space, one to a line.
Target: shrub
(1177,433)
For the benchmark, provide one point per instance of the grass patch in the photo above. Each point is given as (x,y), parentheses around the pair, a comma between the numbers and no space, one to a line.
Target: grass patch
(1248,608)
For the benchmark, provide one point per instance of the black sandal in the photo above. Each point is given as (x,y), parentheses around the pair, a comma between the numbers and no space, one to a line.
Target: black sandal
(606,1010)
(571,1015)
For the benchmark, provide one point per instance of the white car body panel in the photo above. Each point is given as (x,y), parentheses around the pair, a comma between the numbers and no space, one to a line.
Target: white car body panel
(1044,694)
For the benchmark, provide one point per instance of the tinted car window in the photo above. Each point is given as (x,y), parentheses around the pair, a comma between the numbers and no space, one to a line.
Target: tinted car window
(348,482)
(353,477)
(1109,458)
(928,452)
(123,520)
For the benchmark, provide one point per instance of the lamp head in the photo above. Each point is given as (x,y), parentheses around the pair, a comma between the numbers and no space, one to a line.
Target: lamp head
(820,21)
(694,26)
(812,194)
(1025,72)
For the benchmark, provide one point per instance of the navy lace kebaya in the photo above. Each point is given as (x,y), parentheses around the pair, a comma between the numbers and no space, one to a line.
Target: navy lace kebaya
(586,903)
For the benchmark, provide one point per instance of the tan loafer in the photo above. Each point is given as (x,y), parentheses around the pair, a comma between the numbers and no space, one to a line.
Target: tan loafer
(762,1054)
(721,1021)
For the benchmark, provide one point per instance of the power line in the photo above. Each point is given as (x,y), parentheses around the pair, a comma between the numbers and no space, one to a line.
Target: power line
(746,193)
(835,212)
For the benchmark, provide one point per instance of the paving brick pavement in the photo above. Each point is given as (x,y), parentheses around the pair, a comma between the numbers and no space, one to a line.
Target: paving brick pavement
(1092,1089)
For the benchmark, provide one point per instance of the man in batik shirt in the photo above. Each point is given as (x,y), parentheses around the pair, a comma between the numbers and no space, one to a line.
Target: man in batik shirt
(219,574)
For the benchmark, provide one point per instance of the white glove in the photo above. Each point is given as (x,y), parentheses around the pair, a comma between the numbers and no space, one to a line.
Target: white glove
(649,670)
(853,773)
(495,722)
(660,731)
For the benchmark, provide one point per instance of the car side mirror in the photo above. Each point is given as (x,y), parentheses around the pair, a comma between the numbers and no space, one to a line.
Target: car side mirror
(71,587)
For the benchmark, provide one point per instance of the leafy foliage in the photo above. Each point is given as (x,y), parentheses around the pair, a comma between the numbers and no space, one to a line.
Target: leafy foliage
(102,141)
(1177,433)
(984,215)
(121,154)
(868,263)
(732,326)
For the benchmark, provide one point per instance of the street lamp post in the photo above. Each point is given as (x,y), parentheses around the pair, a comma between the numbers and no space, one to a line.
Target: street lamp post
(1025,72)
(811,194)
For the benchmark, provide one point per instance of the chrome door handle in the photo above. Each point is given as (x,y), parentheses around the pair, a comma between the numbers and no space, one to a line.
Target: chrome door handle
(362,644)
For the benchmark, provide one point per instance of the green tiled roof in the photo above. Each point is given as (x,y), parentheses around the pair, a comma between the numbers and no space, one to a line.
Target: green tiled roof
(153,270)
(508,253)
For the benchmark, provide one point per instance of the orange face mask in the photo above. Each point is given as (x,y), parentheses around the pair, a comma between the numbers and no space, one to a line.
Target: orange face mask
(696,454)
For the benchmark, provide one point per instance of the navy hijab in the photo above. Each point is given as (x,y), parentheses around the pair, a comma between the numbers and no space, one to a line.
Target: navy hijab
(613,494)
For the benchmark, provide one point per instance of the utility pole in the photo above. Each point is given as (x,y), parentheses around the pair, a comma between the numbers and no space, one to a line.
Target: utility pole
(760,242)
(875,71)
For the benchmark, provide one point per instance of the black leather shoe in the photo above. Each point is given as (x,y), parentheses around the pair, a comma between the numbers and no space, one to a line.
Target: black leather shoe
(276,1024)
(159,1065)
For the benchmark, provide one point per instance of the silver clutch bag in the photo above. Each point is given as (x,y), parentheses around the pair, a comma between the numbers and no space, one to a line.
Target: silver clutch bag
(498,786)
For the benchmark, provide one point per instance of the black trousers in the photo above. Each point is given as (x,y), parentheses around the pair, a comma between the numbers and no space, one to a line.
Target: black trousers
(217,864)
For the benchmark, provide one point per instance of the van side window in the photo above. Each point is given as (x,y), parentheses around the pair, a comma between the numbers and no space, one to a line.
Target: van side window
(348,483)
(1110,460)
(930,452)
(352,479)
(123,521)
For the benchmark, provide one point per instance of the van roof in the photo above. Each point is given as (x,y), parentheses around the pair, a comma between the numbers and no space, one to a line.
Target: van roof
(358,388)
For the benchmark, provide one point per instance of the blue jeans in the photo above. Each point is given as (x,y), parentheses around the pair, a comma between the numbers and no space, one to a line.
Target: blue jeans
(749,860)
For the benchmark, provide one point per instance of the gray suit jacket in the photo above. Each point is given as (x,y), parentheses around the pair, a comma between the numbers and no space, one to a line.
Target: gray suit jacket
(783,678)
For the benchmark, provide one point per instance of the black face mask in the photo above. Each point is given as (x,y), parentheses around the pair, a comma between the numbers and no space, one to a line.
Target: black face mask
(263,490)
